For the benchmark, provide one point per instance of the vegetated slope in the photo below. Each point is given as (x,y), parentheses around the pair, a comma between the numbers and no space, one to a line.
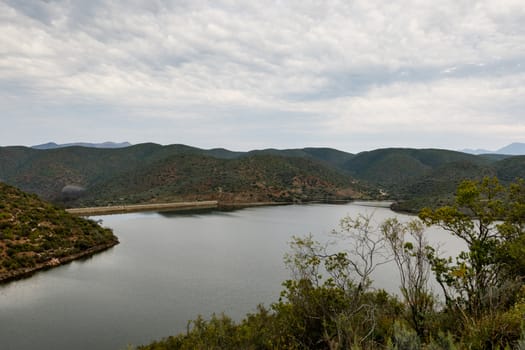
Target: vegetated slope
(35,234)
(437,188)
(493,157)
(427,177)
(47,172)
(327,156)
(510,169)
(396,166)
(151,172)
(256,178)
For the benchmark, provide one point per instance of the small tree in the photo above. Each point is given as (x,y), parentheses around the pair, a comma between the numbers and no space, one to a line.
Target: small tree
(512,252)
(478,281)
(366,248)
(327,298)
(411,257)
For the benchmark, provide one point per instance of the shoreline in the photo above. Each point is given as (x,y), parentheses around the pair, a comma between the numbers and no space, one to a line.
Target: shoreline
(54,262)
(108,210)
(185,206)
(133,208)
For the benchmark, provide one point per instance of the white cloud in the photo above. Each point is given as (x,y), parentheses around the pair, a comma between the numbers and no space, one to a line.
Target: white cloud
(331,67)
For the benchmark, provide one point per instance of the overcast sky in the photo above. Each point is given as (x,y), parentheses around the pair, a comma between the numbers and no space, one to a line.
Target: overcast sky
(353,75)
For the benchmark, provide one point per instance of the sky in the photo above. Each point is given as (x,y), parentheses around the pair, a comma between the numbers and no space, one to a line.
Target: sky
(353,74)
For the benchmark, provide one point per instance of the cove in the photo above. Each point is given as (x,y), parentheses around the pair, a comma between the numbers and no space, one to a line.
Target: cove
(168,269)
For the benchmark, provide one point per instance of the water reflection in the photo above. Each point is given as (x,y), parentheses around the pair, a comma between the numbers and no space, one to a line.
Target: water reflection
(168,268)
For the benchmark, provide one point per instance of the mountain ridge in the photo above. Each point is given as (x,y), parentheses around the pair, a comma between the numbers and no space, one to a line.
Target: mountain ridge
(150,173)
(515,149)
(107,144)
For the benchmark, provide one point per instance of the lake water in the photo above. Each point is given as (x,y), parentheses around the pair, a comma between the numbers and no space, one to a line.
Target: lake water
(168,269)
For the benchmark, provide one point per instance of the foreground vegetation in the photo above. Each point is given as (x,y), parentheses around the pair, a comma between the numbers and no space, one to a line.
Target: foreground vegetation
(35,234)
(329,302)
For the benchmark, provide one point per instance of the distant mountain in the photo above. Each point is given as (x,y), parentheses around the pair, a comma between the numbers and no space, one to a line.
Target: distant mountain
(515,149)
(52,145)
(477,151)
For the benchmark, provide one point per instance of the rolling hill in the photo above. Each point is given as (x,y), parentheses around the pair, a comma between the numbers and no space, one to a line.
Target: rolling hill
(151,172)
(80,176)
(256,178)
(395,166)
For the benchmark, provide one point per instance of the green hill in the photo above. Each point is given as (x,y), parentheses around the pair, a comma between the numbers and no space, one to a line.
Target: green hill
(249,179)
(328,156)
(510,169)
(35,234)
(437,188)
(395,166)
(152,173)
(416,178)
(47,172)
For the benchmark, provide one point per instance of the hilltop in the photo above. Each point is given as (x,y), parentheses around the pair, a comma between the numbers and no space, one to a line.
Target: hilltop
(108,144)
(417,178)
(36,235)
(151,173)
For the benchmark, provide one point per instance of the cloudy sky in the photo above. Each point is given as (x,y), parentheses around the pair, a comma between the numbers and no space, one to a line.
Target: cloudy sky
(351,74)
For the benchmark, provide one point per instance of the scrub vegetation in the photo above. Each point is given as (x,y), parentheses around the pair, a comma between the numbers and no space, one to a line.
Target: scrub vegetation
(330,303)
(35,234)
(151,173)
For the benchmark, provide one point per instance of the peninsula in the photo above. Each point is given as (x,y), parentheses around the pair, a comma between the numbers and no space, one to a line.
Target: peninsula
(36,235)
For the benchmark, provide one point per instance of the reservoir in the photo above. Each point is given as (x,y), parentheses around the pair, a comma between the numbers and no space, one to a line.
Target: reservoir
(168,269)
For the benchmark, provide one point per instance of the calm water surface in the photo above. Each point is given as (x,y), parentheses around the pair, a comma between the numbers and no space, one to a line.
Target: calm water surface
(168,269)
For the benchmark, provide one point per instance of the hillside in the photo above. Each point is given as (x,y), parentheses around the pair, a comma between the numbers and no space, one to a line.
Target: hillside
(149,173)
(437,187)
(36,235)
(48,172)
(250,179)
(327,156)
(395,166)
(152,173)
(416,178)
(509,169)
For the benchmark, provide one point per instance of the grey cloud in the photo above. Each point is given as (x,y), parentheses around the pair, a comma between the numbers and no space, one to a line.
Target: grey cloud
(38,10)
(278,62)
(355,82)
